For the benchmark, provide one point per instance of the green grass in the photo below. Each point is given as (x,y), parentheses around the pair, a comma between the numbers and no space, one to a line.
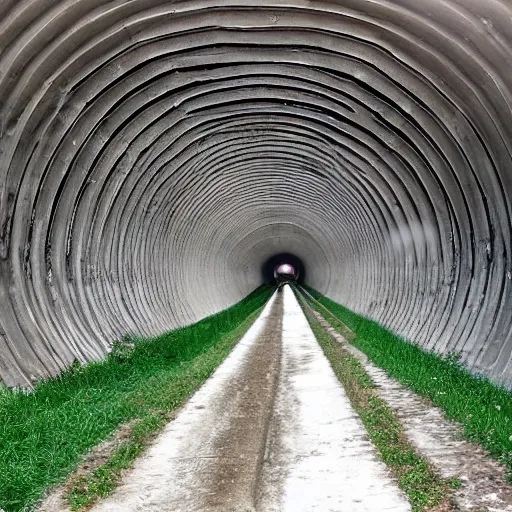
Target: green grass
(98,483)
(423,487)
(89,487)
(484,409)
(44,433)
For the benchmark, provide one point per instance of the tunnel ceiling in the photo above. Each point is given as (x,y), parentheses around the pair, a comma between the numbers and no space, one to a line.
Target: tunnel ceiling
(154,155)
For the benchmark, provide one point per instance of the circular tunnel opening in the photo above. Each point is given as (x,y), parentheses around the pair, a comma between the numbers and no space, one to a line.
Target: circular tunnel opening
(285,273)
(283,266)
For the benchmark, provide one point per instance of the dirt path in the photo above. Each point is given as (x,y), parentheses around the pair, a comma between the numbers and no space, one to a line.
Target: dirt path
(271,430)
(209,457)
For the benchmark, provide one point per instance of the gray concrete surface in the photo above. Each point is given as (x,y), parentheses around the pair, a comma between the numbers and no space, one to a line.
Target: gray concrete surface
(154,154)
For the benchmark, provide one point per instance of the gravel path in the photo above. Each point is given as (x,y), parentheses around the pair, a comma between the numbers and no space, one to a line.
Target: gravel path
(271,430)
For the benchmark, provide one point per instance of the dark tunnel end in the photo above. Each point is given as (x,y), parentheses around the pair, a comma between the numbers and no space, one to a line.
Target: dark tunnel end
(268,268)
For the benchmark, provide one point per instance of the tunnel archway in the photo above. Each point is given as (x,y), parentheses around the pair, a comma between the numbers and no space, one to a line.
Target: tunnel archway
(155,155)
(269,267)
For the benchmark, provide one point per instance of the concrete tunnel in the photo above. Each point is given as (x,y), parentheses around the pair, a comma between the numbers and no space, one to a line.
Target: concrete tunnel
(154,155)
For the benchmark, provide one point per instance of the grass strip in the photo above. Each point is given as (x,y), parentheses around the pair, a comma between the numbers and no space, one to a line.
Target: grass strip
(423,487)
(44,433)
(89,488)
(481,407)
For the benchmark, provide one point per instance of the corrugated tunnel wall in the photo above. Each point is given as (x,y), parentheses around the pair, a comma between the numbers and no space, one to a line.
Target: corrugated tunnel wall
(154,154)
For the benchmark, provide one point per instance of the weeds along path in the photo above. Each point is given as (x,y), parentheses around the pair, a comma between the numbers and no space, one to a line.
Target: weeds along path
(297,419)
(81,429)
(483,486)
(208,458)
(271,430)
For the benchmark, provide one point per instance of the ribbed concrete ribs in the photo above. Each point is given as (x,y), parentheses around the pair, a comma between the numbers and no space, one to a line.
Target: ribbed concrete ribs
(154,154)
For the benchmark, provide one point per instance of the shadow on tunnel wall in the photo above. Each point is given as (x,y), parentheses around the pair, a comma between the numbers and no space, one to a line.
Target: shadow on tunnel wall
(154,154)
